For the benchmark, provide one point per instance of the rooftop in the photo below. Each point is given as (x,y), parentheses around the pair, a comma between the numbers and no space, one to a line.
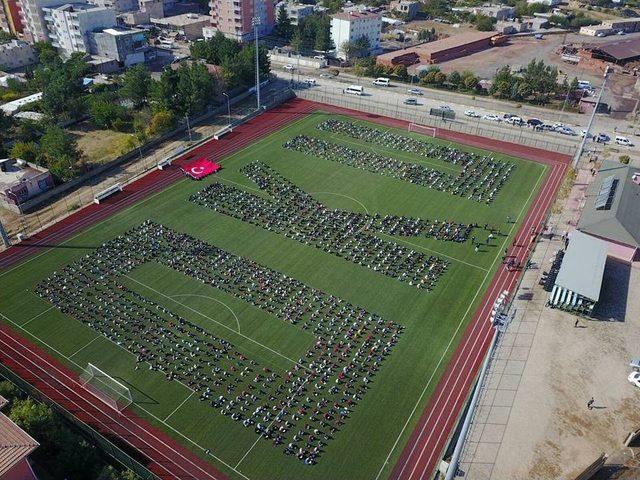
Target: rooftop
(181,20)
(121,31)
(15,443)
(583,265)
(443,44)
(16,171)
(617,219)
(619,49)
(10,107)
(356,15)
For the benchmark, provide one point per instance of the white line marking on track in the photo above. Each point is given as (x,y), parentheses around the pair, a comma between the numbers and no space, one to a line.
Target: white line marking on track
(444,353)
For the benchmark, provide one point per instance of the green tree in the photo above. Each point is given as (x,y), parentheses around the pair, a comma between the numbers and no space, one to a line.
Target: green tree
(283,27)
(59,152)
(455,79)
(161,122)
(8,390)
(38,420)
(28,151)
(136,83)
(6,122)
(484,23)
(469,80)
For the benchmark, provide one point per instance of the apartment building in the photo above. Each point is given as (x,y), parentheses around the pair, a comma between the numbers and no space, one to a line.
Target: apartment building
(70,25)
(16,54)
(234,17)
(119,6)
(32,18)
(350,26)
(10,17)
(126,45)
(297,11)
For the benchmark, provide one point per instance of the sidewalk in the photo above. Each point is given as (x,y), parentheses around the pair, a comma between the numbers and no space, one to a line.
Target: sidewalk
(124,173)
(531,421)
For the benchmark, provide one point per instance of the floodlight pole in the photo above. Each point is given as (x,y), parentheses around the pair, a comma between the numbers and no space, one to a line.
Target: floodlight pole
(578,154)
(228,106)
(256,23)
(5,237)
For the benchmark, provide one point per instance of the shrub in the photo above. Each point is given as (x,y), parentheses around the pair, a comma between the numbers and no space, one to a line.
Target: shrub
(625,159)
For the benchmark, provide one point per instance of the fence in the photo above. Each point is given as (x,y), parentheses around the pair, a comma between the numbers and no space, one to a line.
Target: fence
(65,199)
(519,135)
(90,434)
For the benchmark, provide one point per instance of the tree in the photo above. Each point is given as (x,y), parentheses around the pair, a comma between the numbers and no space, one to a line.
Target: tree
(28,151)
(38,420)
(59,152)
(625,159)
(8,390)
(455,79)
(136,83)
(283,27)
(357,48)
(469,80)
(484,23)
(161,122)
(6,123)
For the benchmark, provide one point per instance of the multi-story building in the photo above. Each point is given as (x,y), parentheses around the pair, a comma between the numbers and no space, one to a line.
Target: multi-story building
(189,25)
(234,17)
(410,8)
(297,11)
(126,45)
(32,18)
(119,6)
(347,27)
(10,17)
(70,25)
(16,54)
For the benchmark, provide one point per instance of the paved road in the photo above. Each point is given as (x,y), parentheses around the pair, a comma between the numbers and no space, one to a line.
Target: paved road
(392,97)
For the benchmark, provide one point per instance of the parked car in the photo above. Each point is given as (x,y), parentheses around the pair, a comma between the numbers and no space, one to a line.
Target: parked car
(634,378)
(534,122)
(289,67)
(472,113)
(547,126)
(538,36)
(622,32)
(310,81)
(515,121)
(566,131)
(603,138)
(491,117)
(414,91)
(410,101)
(326,75)
(508,115)
(623,141)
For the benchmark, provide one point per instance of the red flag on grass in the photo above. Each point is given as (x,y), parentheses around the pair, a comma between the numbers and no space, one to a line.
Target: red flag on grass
(200,168)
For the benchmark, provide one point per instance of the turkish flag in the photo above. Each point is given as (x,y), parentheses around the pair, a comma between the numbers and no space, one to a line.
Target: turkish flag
(200,168)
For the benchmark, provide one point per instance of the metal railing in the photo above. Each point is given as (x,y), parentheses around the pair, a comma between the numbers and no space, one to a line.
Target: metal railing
(518,135)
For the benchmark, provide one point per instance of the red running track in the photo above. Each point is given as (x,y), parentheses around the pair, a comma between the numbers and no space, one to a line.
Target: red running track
(164,456)
(168,459)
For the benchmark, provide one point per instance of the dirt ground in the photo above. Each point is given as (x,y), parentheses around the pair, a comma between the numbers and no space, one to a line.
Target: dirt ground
(100,146)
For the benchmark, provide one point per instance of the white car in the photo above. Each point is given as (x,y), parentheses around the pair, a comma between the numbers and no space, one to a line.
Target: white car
(491,117)
(624,141)
(634,378)
(288,66)
(310,81)
(414,91)
(326,75)
(472,114)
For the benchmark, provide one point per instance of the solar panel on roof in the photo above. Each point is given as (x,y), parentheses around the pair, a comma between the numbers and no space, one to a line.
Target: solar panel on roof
(606,184)
(605,195)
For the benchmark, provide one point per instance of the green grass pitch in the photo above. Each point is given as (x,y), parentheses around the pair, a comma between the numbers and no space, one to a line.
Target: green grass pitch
(433,321)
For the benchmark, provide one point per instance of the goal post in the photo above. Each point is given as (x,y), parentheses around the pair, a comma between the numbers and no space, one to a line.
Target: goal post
(106,387)
(423,129)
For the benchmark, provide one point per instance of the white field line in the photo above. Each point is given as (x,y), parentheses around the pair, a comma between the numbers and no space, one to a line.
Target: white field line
(219,323)
(36,316)
(453,336)
(215,300)
(137,405)
(178,407)
(85,346)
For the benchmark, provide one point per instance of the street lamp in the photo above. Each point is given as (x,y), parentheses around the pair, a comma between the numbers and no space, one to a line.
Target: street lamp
(228,107)
(255,21)
(188,127)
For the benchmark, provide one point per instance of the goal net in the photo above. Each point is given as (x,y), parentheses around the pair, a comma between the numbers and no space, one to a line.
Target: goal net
(106,388)
(423,129)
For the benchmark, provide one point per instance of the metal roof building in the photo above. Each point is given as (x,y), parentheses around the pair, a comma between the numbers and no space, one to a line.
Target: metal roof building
(583,266)
(617,51)
(612,209)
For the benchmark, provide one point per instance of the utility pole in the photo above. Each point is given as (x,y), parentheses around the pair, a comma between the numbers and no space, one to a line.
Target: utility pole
(5,237)
(256,22)
(578,154)
(228,106)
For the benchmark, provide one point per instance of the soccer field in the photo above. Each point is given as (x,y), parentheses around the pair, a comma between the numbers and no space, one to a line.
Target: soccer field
(312,299)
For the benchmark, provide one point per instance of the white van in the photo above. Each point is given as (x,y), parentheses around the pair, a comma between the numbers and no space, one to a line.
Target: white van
(623,141)
(381,82)
(354,89)
(583,85)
